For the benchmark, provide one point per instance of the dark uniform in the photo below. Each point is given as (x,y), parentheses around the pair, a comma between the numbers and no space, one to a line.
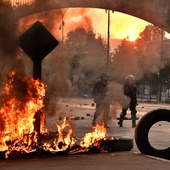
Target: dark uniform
(129,91)
(101,99)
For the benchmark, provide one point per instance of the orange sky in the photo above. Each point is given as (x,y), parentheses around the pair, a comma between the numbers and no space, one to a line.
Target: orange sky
(121,26)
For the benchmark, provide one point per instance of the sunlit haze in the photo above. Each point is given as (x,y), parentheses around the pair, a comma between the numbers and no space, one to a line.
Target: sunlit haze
(121,25)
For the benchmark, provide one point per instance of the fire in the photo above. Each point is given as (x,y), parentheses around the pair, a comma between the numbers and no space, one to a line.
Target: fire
(21,99)
(92,139)
(63,139)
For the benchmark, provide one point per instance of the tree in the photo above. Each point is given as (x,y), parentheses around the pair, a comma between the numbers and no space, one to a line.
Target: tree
(87,53)
(125,60)
(151,33)
(150,45)
(144,58)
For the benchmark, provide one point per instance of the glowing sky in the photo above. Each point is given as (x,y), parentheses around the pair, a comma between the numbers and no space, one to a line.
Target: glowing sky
(121,25)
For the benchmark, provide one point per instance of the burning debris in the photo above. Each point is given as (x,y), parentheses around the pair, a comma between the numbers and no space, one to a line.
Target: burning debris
(21,99)
(63,141)
(92,139)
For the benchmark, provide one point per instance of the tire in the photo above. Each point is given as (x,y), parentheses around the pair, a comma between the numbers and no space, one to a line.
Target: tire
(142,132)
(117,144)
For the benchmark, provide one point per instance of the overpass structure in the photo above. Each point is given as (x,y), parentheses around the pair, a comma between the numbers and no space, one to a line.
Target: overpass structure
(156,12)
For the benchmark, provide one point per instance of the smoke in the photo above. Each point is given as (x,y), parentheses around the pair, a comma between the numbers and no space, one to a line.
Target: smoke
(12,59)
(55,71)
(74,18)
(117,98)
(137,60)
(7,33)
(58,85)
(8,42)
(78,18)
(53,20)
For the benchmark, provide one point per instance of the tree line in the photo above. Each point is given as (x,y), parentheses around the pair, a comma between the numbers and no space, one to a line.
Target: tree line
(145,58)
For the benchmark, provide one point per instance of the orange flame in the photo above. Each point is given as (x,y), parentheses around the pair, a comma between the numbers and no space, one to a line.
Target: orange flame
(21,99)
(63,140)
(93,138)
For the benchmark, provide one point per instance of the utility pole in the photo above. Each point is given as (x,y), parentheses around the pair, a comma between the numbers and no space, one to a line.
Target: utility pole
(160,72)
(108,42)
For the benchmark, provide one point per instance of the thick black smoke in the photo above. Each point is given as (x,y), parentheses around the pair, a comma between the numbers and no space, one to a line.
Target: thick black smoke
(8,41)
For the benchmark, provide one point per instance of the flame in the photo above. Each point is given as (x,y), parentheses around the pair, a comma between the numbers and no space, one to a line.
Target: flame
(93,138)
(21,99)
(64,139)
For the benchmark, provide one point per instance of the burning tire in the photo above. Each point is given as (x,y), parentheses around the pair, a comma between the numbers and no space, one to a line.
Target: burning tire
(142,132)
(117,144)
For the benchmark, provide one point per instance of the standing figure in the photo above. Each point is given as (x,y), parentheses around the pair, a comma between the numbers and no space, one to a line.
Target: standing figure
(101,99)
(129,91)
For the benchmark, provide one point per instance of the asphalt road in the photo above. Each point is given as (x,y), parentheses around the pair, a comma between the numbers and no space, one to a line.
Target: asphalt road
(82,108)
(123,160)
